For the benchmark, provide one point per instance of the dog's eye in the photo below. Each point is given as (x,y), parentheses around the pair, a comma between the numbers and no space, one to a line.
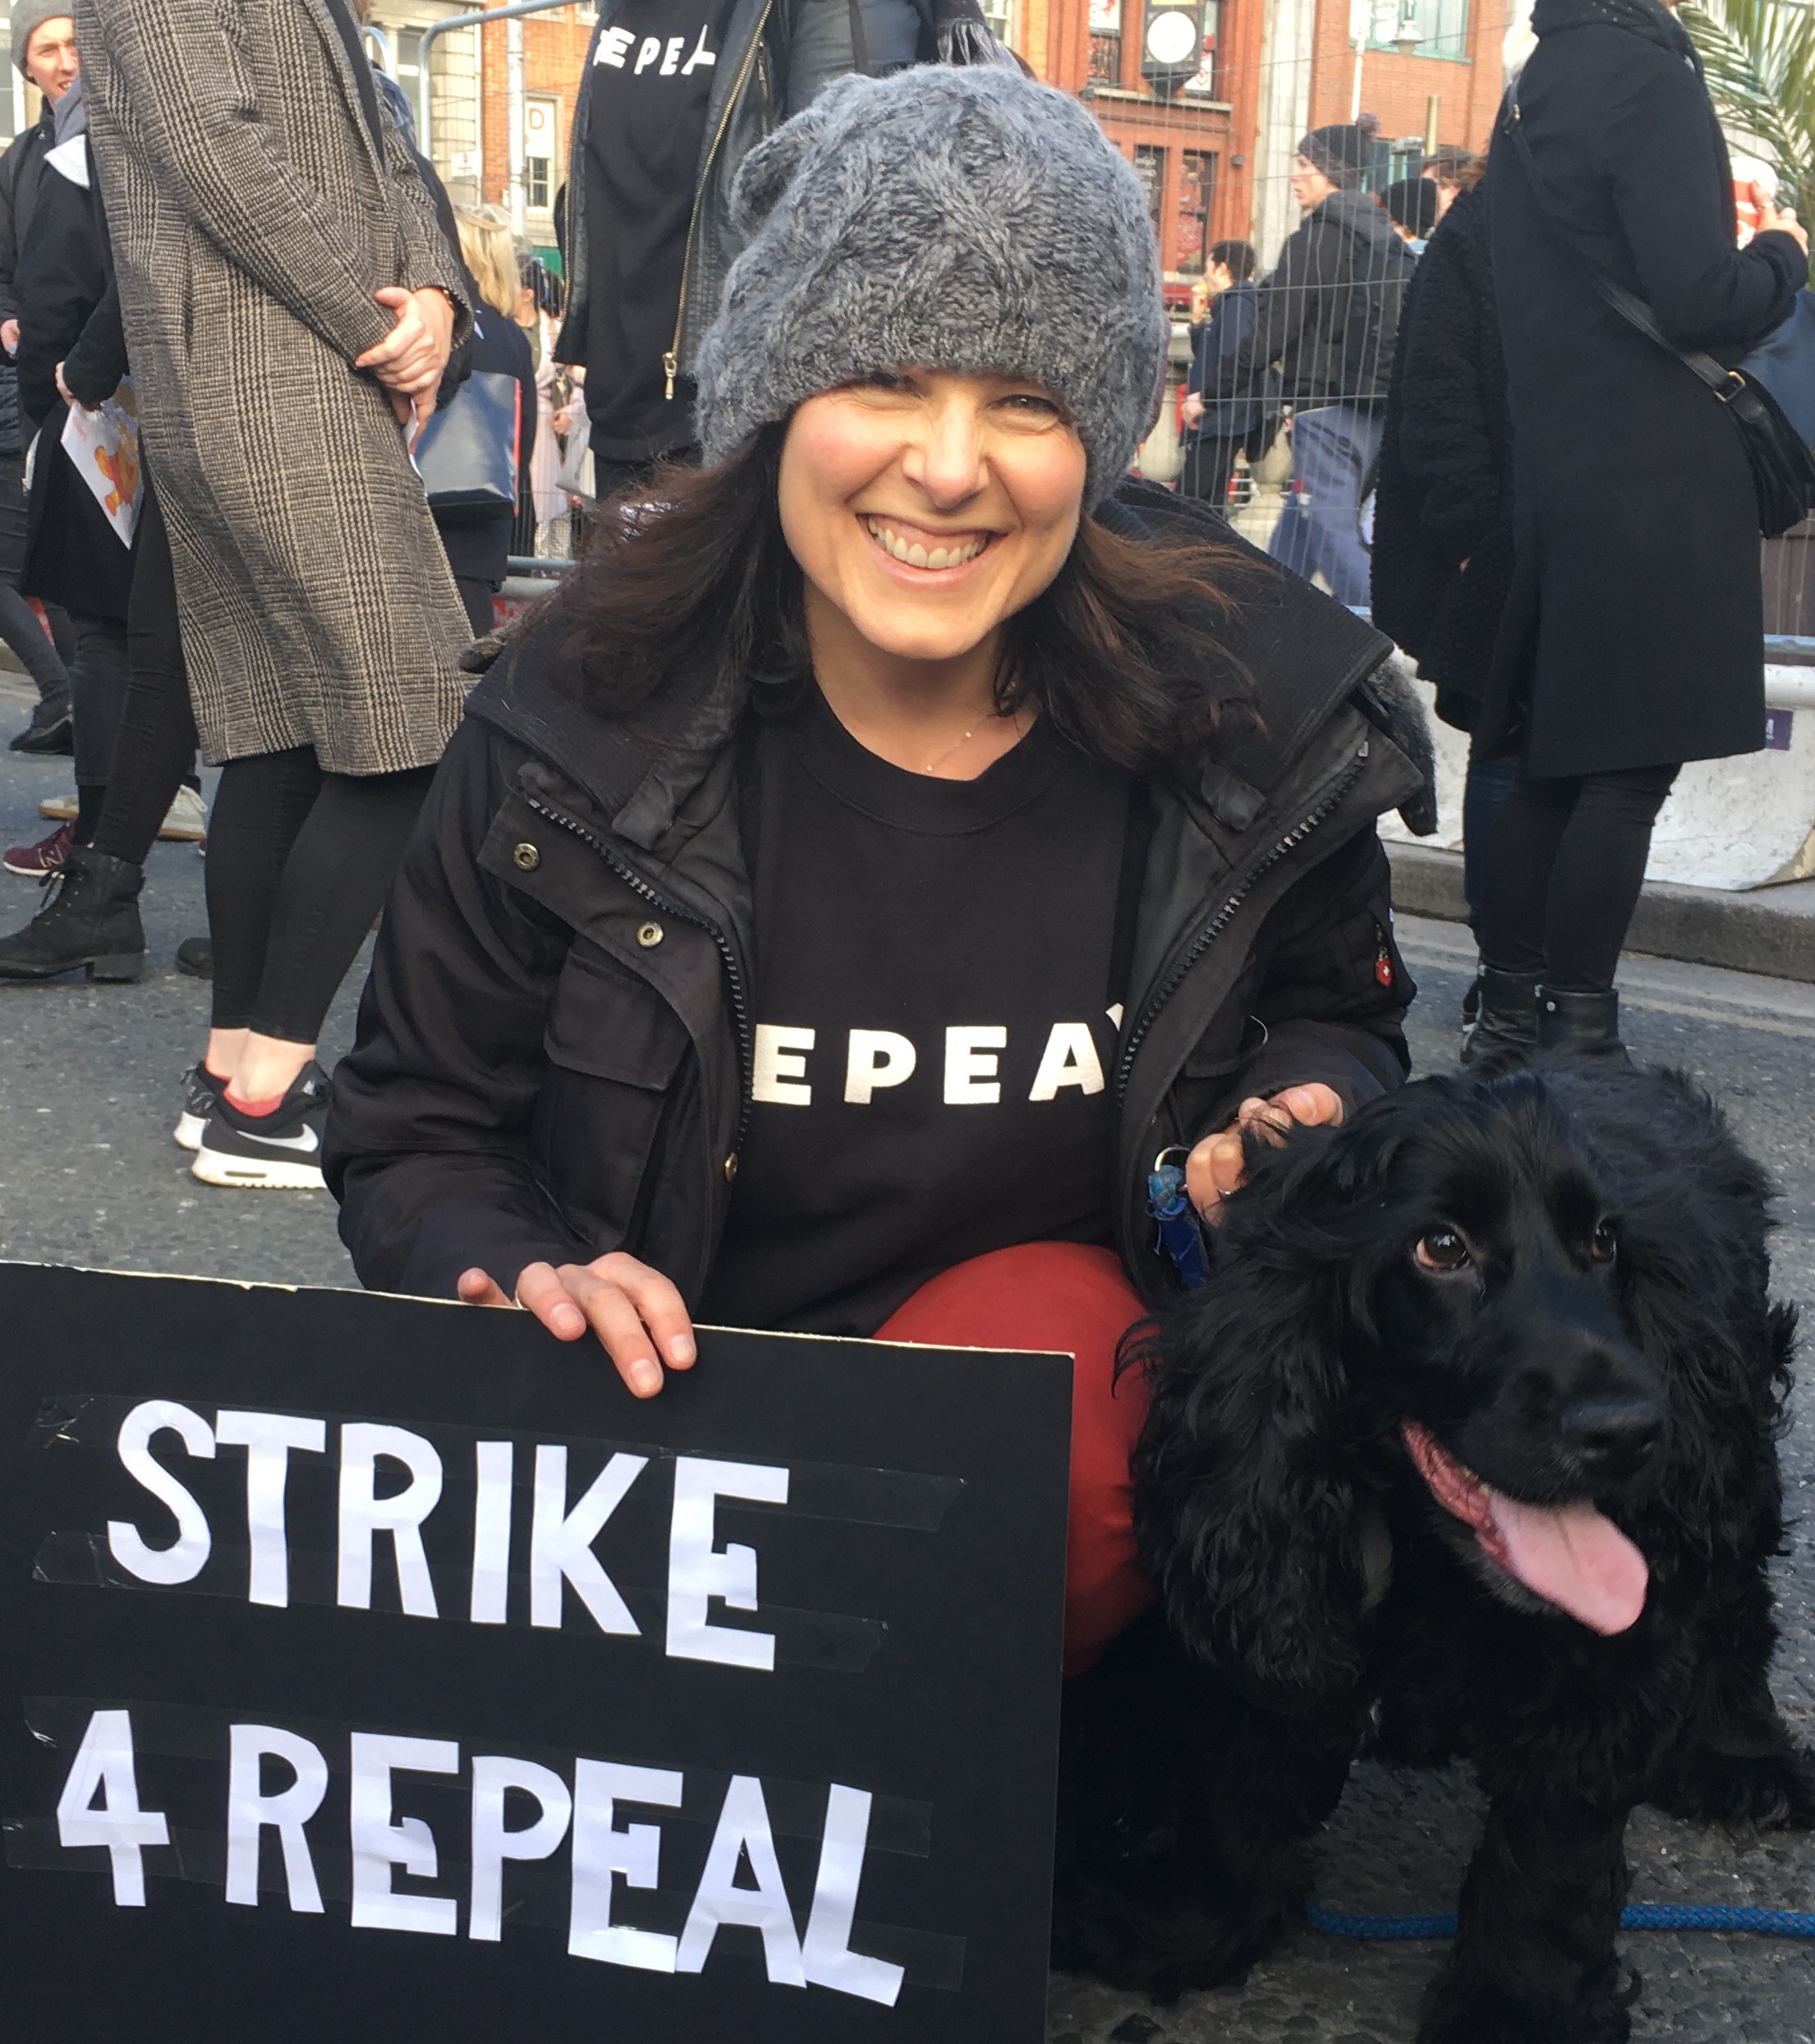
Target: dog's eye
(1443,1249)
(1603,1242)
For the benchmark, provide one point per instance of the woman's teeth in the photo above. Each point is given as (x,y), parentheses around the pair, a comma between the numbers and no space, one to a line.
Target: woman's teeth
(917,556)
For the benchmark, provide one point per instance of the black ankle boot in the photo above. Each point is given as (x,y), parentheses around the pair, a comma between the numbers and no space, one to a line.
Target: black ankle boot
(1580,1026)
(91,919)
(1506,1031)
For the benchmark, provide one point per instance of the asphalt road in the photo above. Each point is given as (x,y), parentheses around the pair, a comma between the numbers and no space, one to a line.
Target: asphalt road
(90,1089)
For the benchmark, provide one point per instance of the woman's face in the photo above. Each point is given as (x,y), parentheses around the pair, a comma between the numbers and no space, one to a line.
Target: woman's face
(928,507)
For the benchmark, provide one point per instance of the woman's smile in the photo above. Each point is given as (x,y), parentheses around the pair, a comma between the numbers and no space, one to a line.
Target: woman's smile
(921,550)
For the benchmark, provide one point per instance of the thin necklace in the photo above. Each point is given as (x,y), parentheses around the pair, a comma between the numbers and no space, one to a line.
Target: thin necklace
(932,766)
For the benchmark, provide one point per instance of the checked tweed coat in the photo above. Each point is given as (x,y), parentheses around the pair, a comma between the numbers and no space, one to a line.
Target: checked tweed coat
(253,217)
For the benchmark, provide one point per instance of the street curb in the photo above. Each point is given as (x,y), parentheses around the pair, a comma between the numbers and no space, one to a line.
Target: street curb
(1771,930)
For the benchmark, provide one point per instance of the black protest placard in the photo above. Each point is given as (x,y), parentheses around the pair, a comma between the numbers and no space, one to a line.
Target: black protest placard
(380,1670)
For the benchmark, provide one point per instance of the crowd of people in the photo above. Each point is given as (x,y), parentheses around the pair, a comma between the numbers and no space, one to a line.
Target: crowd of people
(886,699)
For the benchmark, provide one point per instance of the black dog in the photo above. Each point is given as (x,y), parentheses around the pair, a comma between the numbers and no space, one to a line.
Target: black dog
(1467,1448)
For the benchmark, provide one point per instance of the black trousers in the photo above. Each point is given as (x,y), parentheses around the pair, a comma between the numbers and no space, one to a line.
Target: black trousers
(156,746)
(1565,862)
(98,678)
(299,863)
(1208,465)
(19,625)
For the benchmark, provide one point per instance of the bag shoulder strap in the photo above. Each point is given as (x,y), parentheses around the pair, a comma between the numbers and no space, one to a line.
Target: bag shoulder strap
(1724,382)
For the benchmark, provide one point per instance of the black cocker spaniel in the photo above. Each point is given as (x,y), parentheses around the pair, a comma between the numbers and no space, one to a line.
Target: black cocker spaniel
(1468,1448)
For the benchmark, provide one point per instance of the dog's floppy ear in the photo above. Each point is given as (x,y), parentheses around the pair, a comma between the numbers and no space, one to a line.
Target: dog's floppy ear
(1245,1510)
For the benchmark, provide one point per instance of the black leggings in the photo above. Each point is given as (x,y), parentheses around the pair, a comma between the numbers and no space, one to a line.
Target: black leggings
(156,747)
(299,863)
(1565,862)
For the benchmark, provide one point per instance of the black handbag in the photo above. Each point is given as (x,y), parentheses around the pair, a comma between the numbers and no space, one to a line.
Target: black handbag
(1770,396)
(467,453)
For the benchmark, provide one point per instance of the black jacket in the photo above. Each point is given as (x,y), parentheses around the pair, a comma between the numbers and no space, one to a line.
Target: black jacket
(1329,311)
(539,1074)
(21,167)
(1633,634)
(778,54)
(1444,495)
(1235,396)
(70,313)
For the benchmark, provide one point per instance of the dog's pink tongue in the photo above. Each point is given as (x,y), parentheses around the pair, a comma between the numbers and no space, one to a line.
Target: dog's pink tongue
(1573,1557)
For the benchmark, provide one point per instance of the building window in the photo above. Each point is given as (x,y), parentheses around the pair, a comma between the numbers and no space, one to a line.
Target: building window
(409,56)
(1150,167)
(1197,192)
(1204,83)
(1442,26)
(1105,42)
(1000,14)
(541,136)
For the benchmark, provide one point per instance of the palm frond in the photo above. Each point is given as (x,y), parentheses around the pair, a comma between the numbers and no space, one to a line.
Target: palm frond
(1758,57)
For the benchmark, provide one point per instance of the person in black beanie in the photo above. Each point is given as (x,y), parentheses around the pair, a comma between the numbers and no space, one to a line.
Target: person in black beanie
(1327,317)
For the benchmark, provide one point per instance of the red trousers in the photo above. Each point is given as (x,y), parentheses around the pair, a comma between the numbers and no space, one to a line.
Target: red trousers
(1068,1298)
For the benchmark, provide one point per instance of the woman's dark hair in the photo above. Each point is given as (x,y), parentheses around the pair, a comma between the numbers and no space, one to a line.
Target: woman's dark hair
(689,574)
(1236,257)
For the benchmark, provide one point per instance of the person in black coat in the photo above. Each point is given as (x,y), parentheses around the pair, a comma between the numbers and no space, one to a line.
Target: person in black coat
(73,556)
(1634,631)
(1442,562)
(478,542)
(44,57)
(1219,429)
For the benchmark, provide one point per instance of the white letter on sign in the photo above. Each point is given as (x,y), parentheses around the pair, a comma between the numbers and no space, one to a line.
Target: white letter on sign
(826,1950)
(743,1827)
(601,1851)
(561,1541)
(363,1514)
(248,1811)
(103,1766)
(697,1571)
(492,1844)
(267,1437)
(378,1845)
(185,1561)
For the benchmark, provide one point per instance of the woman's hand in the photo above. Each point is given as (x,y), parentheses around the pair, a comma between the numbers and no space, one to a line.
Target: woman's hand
(411,359)
(1193,408)
(1218,1167)
(1775,220)
(639,1317)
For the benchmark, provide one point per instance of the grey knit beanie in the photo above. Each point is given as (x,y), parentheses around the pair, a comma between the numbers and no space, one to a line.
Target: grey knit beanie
(27,19)
(962,219)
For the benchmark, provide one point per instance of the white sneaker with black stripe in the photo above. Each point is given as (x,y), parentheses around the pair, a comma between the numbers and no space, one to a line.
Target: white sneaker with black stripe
(282,1149)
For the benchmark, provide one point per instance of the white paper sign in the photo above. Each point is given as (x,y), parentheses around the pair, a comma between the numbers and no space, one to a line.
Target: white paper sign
(103,444)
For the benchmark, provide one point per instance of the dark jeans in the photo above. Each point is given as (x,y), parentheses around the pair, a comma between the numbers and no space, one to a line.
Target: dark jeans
(1484,794)
(19,625)
(299,863)
(1208,465)
(1565,862)
(156,747)
(475,595)
(97,679)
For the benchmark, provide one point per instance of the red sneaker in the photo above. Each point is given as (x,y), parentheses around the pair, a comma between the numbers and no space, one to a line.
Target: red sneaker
(35,861)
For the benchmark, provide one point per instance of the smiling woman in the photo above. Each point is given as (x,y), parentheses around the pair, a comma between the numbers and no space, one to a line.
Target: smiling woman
(901,834)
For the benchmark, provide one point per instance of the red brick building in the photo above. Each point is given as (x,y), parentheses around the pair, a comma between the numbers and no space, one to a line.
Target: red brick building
(1455,62)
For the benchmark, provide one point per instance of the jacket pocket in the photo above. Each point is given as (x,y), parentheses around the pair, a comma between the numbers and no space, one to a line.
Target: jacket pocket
(615,1051)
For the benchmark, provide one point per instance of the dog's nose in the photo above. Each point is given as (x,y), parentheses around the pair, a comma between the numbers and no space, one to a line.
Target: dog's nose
(1616,1426)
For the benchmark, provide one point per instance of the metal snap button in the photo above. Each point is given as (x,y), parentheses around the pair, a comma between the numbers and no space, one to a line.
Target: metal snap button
(650,934)
(731,1166)
(526,857)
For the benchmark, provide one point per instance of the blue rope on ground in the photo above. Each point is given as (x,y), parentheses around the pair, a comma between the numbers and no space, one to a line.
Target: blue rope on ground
(1642,1916)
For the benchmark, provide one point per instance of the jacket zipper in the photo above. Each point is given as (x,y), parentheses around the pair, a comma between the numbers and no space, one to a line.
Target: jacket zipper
(671,361)
(638,885)
(1225,914)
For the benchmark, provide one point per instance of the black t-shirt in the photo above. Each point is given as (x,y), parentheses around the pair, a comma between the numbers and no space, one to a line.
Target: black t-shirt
(653,73)
(937,965)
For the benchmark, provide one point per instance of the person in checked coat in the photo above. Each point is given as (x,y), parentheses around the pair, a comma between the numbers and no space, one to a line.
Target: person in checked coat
(289,304)
(1634,629)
